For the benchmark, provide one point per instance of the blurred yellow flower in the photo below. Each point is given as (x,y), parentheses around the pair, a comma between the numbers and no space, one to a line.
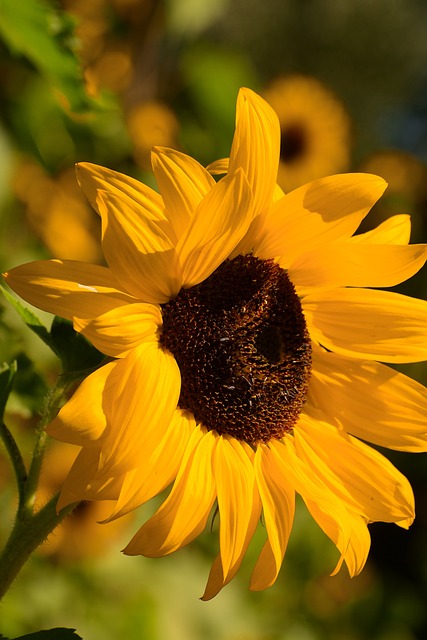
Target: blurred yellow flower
(244,328)
(150,124)
(315,130)
(112,70)
(58,212)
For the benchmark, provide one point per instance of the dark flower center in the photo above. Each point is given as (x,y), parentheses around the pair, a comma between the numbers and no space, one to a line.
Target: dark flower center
(293,143)
(243,349)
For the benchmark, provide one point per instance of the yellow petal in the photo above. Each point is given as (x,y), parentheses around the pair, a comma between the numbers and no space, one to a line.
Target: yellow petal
(82,419)
(85,482)
(256,146)
(185,512)
(278,502)
(356,554)
(394,230)
(355,550)
(94,178)
(67,288)
(158,468)
(234,475)
(217,580)
(138,251)
(217,226)
(362,478)
(122,328)
(183,183)
(376,325)
(357,265)
(140,398)
(312,489)
(320,212)
(346,528)
(372,401)
(218,167)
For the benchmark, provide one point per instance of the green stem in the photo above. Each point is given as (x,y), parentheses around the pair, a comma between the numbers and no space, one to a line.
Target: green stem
(29,531)
(31,527)
(53,402)
(16,459)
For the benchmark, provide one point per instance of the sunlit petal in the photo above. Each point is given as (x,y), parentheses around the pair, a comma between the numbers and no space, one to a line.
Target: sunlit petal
(65,287)
(256,146)
(357,265)
(183,183)
(322,211)
(375,325)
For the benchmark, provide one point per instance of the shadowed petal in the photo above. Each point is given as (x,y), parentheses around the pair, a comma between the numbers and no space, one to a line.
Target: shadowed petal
(82,419)
(394,230)
(354,552)
(85,482)
(359,476)
(234,476)
(185,512)
(372,401)
(139,400)
(217,226)
(299,475)
(183,183)
(158,468)
(122,328)
(94,178)
(141,255)
(217,580)
(278,503)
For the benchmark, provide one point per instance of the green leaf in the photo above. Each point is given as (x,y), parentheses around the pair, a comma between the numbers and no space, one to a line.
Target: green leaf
(29,386)
(7,374)
(34,29)
(75,352)
(30,319)
(60,633)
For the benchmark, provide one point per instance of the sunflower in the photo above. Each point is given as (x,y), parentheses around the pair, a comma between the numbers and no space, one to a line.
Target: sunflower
(315,130)
(243,329)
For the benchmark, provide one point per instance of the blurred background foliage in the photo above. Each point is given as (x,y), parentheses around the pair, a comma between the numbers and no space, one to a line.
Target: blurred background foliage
(103,81)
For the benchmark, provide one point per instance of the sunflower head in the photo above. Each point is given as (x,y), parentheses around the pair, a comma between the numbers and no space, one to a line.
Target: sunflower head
(246,331)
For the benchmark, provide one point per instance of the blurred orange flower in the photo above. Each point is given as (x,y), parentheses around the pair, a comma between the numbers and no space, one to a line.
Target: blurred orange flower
(58,213)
